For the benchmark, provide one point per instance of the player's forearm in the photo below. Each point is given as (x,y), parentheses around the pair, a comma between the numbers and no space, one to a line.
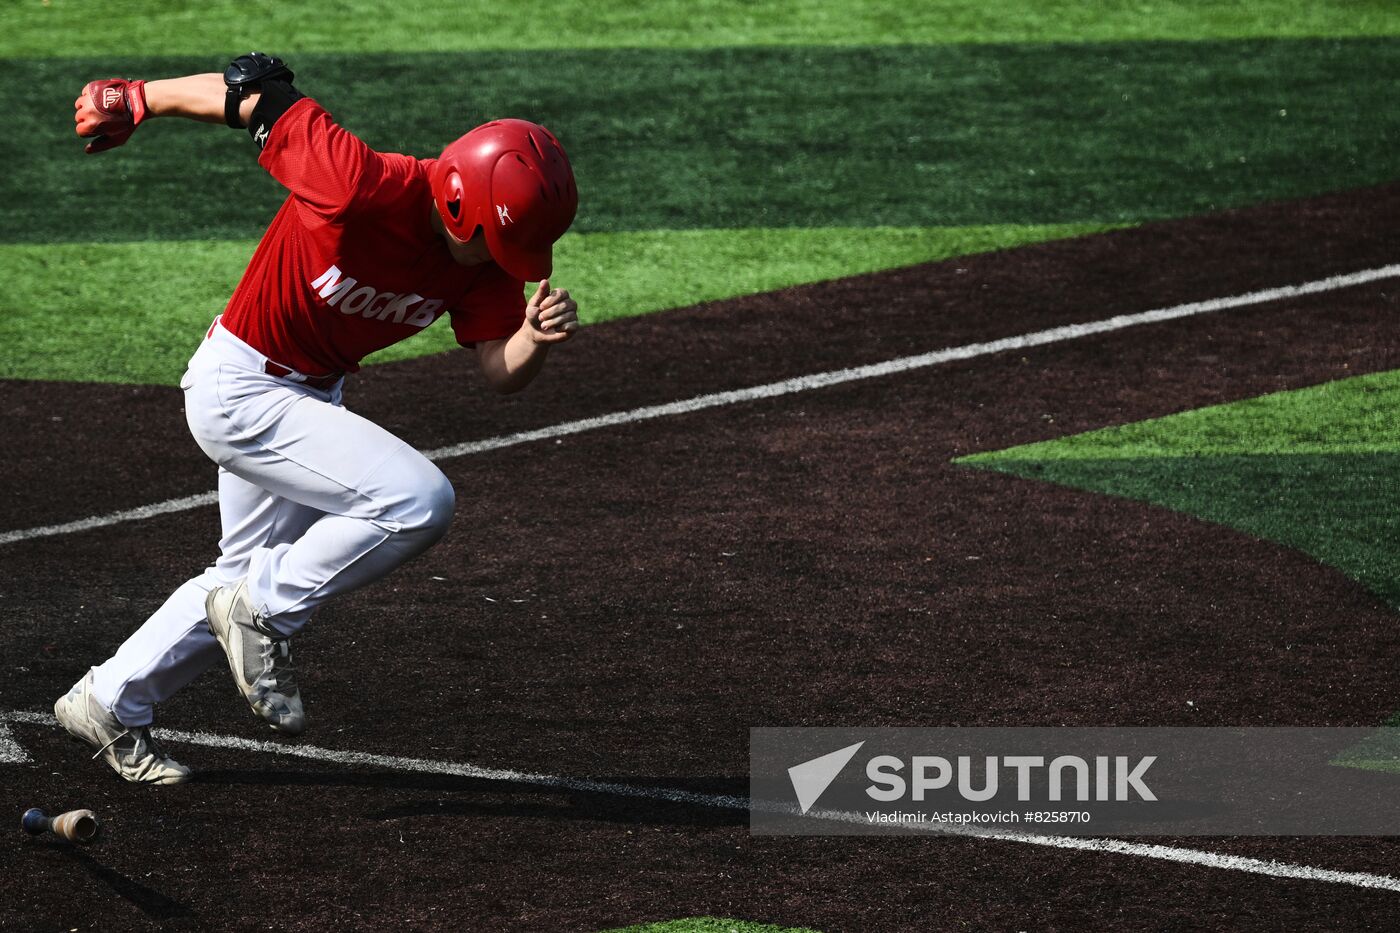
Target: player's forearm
(195,97)
(510,365)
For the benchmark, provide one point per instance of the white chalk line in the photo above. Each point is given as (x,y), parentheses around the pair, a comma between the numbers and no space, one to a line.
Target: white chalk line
(776,389)
(114,518)
(1177,854)
(11,752)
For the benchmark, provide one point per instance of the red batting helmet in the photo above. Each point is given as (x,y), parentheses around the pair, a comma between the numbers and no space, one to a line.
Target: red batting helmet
(512,179)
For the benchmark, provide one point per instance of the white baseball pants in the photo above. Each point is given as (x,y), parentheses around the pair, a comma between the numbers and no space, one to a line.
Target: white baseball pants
(314,500)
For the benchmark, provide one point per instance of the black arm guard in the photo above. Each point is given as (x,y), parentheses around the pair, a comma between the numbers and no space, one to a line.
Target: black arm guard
(247,73)
(277,98)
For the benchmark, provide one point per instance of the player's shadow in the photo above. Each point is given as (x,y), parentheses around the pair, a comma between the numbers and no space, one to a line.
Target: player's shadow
(478,797)
(148,900)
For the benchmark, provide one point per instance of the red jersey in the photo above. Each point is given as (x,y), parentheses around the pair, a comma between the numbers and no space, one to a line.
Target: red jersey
(352,263)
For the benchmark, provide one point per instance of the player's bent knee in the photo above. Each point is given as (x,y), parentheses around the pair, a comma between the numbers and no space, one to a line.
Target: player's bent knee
(426,506)
(438,504)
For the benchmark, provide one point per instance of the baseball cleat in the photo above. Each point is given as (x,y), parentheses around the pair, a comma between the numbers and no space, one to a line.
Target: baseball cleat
(131,751)
(260,659)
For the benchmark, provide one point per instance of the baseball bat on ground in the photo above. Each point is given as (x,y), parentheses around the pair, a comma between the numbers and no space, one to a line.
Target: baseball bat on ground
(75,825)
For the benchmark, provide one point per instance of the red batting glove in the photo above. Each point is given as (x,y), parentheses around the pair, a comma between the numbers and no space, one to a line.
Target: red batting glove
(109,111)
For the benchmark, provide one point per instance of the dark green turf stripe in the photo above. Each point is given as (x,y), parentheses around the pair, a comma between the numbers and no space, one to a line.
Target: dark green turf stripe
(1342,509)
(1311,468)
(791,137)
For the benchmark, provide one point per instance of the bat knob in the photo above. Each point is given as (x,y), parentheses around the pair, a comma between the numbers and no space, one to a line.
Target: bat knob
(34,821)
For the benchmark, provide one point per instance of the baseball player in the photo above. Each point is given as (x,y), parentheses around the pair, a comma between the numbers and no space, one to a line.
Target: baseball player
(369,248)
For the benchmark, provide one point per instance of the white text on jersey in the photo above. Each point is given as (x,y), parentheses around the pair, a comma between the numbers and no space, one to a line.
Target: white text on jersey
(372,303)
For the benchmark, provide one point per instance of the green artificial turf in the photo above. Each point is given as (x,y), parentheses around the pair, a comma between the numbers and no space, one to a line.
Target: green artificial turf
(133,312)
(708,925)
(791,137)
(1317,469)
(119,26)
(1379,751)
(705,171)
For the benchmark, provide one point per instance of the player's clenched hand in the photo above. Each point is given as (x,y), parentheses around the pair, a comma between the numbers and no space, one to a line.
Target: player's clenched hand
(551,314)
(108,112)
